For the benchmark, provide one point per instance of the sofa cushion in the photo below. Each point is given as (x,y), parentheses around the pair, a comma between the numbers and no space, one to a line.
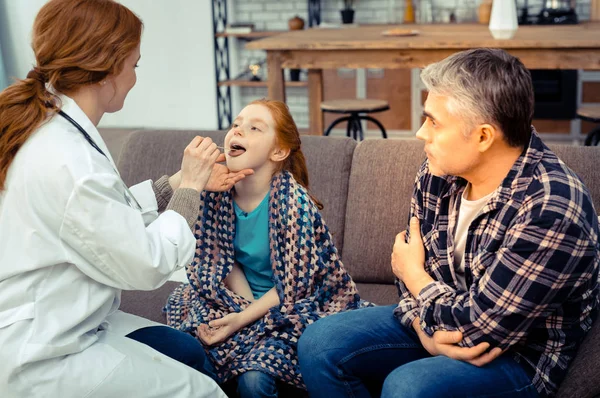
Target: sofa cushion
(147,304)
(378,293)
(582,379)
(381,186)
(153,153)
(583,160)
(329,160)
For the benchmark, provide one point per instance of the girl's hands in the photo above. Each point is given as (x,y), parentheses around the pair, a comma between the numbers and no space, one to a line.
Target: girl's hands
(219,330)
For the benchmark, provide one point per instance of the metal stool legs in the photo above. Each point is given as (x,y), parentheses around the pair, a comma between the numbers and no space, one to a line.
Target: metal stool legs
(371,119)
(354,128)
(593,137)
(336,122)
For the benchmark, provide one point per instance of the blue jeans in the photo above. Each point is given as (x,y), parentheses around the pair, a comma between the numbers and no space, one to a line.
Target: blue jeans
(362,352)
(254,383)
(175,344)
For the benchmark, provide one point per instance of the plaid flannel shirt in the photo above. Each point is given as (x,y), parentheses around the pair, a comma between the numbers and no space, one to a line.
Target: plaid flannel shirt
(531,264)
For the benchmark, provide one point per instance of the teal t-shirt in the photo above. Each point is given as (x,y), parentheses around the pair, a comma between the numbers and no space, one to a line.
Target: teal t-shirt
(252,249)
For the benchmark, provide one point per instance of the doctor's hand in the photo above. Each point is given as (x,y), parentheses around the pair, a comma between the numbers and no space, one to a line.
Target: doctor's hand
(446,343)
(222,179)
(199,158)
(219,330)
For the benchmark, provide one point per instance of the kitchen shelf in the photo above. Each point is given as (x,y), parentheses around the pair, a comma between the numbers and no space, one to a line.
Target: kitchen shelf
(225,79)
(262,83)
(259,34)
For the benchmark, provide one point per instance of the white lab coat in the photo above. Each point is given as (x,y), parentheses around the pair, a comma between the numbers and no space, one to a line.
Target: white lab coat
(69,243)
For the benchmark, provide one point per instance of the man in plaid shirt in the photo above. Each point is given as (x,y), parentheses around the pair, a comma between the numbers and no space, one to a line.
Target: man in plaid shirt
(499,265)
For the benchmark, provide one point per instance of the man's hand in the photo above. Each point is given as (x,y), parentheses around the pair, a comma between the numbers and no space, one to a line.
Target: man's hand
(219,330)
(445,343)
(408,259)
(222,179)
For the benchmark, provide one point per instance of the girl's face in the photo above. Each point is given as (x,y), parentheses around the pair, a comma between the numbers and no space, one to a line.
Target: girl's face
(251,141)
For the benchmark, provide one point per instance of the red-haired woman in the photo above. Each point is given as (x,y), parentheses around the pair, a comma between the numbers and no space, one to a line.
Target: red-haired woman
(73,235)
(265,265)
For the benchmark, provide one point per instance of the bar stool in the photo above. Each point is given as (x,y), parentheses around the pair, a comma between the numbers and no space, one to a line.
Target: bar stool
(356,108)
(591,113)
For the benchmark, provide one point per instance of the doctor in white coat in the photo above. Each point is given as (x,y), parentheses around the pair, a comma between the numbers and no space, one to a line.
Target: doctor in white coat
(72,235)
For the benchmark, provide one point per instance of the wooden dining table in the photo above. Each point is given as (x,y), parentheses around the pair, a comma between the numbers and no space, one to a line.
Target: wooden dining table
(538,47)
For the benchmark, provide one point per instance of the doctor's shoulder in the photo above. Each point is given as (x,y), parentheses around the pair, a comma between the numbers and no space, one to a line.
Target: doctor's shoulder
(54,160)
(57,149)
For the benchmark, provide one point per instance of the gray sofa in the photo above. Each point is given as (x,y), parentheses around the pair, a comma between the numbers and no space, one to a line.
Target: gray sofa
(366,190)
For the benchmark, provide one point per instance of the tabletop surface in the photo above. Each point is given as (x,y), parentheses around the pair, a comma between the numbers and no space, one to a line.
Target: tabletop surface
(434,36)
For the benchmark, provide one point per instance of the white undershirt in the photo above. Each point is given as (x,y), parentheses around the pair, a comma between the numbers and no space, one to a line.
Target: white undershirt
(469,209)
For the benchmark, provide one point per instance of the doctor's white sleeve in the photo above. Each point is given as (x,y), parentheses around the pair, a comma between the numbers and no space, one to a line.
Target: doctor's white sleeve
(112,244)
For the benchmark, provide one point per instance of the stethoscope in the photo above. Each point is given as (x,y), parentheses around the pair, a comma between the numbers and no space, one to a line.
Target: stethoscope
(129,197)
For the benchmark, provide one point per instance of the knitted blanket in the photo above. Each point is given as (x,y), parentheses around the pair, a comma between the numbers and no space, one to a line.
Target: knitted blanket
(309,277)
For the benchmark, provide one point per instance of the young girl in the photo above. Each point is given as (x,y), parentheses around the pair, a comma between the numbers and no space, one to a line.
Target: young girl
(265,264)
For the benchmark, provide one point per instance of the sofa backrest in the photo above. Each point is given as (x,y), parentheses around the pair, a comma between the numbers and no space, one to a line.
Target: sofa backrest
(381,185)
(329,163)
(366,189)
(152,153)
(583,160)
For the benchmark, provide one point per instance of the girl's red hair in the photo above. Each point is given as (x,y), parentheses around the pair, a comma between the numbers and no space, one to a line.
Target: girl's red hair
(289,138)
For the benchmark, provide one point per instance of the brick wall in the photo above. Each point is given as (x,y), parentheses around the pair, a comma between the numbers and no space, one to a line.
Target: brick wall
(274,14)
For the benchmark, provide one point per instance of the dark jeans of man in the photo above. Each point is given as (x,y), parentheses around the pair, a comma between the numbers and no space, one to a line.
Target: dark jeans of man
(359,353)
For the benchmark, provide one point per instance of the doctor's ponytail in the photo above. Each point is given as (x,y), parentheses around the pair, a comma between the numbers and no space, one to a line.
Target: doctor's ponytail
(76,43)
(22,109)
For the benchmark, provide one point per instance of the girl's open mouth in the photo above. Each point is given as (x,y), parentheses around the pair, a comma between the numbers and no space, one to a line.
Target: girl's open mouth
(236,150)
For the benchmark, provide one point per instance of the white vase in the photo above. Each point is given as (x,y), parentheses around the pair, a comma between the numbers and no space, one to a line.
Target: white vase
(503,21)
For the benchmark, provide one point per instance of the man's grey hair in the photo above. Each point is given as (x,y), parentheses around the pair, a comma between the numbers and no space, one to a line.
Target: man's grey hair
(486,86)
